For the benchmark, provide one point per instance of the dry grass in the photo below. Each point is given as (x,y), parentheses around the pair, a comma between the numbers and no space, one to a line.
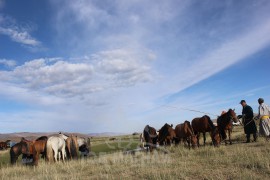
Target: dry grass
(237,161)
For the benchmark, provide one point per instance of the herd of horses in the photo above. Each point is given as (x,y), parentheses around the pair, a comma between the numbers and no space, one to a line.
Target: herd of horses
(61,146)
(52,148)
(190,132)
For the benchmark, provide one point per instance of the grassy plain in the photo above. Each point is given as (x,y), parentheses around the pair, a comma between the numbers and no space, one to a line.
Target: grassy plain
(237,161)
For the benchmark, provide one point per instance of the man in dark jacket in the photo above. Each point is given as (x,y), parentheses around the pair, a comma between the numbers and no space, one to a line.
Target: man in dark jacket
(249,123)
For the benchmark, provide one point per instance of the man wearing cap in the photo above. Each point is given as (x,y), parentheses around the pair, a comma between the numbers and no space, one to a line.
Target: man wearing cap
(249,124)
(263,115)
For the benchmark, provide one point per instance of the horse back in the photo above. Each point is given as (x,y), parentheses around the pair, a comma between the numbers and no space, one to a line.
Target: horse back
(203,124)
(181,131)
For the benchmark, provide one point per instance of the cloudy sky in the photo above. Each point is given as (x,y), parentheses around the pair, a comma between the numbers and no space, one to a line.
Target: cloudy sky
(115,66)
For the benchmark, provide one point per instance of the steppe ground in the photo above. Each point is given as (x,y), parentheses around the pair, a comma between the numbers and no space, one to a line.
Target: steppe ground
(237,161)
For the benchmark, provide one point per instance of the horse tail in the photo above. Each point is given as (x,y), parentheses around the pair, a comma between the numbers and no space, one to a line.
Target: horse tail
(49,151)
(73,148)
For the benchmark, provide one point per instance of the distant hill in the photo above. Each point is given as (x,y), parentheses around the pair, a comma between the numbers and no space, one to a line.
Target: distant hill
(33,135)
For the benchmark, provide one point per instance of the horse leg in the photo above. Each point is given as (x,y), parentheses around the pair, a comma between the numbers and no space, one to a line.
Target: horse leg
(229,132)
(63,154)
(55,151)
(198,139)
(204,138)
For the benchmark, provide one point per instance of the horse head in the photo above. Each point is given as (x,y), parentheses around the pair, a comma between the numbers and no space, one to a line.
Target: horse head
(194,141)
(26,146)
(215,137)
(232,115)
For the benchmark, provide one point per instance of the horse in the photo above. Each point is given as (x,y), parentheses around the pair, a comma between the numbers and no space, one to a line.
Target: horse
(19,148)
(150,136)
(225,123)
(203,125)
(84,145)
(185,132)
(72,147)
(45,138)
(55,147)
(166,135)
(38,147)
(4,145)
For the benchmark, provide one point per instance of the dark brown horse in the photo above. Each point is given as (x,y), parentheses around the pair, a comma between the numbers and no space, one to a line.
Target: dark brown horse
(203,125)
(20,148)
(4,145)
(166,135)
(225,122)
(185,132)
(150,136)
(72,147)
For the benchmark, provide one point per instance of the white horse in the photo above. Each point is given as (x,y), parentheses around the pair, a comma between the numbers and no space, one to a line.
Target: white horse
(56,147)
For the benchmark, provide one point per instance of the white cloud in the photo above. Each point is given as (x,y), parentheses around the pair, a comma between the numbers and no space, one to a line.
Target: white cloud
(19,36)
(104,71)
(9,63)
(216,60)
(17,33)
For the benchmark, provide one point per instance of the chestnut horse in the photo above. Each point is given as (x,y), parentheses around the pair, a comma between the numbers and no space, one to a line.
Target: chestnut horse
(20,148)
(166,135)
(39,147)
(185,132)
(225,122)
(203,125)
(150,137)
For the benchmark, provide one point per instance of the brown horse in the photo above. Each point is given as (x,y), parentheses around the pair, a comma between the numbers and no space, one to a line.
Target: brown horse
(4,145)
(38,147)
(166,135)
(185,132)
(225,123)
(203,125)
(18,149)
(72,147)
(150,136)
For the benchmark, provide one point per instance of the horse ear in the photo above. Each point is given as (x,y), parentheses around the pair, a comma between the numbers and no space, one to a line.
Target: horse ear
(234,109)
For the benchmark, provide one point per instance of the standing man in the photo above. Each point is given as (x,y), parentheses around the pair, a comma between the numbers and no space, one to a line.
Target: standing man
(263,115)
(249,123)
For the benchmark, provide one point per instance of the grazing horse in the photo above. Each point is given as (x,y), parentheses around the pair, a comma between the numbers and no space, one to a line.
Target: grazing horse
(55,147)
(166,135)
(203,125)
(185,132)
(84,145)
(4,145)
(150,137)
(225,123)
(20,148)
(72,147)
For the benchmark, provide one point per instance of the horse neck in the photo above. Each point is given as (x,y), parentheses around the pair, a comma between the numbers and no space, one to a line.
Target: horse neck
(190,130)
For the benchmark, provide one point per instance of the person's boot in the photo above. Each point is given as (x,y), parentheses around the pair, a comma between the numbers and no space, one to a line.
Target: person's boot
(255,137)
(248,138)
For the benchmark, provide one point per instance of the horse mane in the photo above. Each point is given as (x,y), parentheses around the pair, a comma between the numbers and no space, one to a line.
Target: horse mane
(42,138)
(210,122)
(189,125)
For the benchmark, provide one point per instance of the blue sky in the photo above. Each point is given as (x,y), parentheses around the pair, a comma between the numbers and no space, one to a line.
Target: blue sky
(115,66)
